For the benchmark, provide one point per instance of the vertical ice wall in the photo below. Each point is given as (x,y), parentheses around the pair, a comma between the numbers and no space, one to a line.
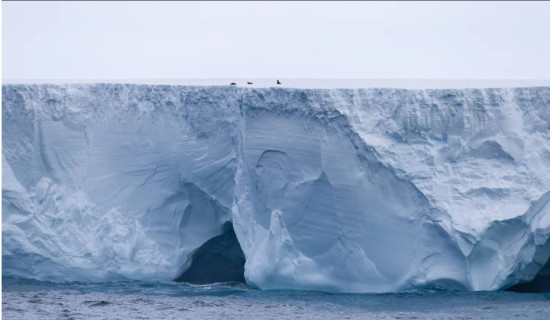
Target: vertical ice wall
(341,190)
(121,182)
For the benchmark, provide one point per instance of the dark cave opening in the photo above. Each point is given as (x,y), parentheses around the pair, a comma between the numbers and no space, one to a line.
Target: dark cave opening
(540,284)
(219,259)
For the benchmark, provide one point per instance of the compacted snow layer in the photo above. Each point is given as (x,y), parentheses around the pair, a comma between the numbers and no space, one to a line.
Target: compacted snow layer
(351,190)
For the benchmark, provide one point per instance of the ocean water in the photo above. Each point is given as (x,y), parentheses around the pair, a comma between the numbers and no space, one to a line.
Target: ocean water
(30,299)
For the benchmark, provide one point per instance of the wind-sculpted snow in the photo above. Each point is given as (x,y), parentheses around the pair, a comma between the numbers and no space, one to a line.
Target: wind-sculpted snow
(370,190)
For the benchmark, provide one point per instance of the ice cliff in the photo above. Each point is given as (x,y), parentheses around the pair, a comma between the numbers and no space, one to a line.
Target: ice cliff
(363,190)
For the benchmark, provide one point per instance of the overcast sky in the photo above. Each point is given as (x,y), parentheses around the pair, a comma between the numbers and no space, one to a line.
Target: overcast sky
(152,40)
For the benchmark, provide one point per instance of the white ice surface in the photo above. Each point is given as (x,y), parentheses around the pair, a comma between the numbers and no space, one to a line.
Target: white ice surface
(354,190)
(305,83)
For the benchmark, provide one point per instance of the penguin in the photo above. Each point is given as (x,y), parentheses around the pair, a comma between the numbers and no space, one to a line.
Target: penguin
(249,82)
(279,82)
(233,84)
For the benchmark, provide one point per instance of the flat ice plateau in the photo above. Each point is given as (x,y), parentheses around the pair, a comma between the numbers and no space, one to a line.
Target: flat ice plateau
(344,190)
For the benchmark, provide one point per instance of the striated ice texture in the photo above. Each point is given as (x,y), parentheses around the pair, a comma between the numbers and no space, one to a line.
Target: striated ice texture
(363,190)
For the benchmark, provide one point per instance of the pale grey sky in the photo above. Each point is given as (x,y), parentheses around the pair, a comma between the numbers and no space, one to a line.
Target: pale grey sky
(166,40)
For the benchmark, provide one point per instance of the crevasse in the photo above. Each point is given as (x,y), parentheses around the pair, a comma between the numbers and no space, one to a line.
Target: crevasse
(364,190)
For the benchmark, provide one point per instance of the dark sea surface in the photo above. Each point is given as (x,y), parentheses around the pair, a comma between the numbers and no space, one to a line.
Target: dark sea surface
(30,299)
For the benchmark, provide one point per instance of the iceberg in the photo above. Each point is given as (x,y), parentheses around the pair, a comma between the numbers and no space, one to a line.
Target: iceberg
(342,190)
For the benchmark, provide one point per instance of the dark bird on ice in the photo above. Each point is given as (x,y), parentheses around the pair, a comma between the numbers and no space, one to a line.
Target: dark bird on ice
(279,82)
(233,84)
(249,82)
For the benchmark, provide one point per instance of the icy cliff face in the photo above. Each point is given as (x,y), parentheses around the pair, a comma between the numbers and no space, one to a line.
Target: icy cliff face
(337,190)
